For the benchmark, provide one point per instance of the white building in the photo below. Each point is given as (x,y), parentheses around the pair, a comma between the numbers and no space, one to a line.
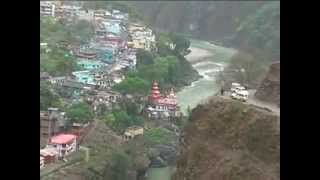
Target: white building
(57,80)
(47,8)
(64,144)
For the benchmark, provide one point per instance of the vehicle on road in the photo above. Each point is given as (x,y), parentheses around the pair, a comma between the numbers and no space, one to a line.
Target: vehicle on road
(240,95)
(234,86)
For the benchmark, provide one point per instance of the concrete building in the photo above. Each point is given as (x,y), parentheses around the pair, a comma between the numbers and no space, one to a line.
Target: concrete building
(65,144)
(132,132)
(47,8)
(48,155)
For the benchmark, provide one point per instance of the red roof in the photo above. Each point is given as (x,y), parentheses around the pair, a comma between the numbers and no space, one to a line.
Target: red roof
(63,139)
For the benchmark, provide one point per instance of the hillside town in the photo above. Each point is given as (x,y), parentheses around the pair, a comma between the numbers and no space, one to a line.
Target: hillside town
(159,90)
(105,59)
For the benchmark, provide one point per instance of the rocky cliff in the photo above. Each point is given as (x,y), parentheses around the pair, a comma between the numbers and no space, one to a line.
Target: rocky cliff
(269,89)
(229,140)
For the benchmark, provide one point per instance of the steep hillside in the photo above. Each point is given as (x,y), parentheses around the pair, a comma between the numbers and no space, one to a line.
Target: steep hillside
(242,24)
(269,89)
(226,139)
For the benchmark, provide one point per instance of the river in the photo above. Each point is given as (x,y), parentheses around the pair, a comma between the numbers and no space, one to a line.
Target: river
(208,59)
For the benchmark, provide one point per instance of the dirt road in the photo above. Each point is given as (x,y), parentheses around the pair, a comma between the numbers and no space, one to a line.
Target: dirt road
(254,101)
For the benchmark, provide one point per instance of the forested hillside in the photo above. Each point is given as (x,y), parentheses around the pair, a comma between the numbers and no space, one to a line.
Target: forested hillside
(253,25)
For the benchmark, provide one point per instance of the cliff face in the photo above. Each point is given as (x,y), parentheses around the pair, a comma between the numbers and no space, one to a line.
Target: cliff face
(269,89)
(229,140)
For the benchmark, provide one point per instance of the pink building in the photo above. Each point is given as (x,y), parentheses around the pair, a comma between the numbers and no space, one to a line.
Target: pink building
(161,102)
(162,106)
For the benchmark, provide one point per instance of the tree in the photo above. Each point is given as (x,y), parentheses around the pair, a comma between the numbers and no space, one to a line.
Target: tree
(181,44)
(144,57)
(246,69)
(58,62)
(163,45)
(133,85)
(119,166)
(80,112)
(47,97)
(82,31)
(101,109)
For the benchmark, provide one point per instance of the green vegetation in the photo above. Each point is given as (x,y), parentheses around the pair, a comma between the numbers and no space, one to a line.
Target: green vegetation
(181,44)
(167,66)
(119,166)
(145,57)
(57,62)
(158,136)
(122,116)
(250,25)
(133,85)
(244,68)
(56,59)
(80,112)
(261,30)
(119,120)
(53,32)
(47,97)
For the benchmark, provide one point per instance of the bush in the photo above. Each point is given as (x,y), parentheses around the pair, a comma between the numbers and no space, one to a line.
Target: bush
(119,120)
(48,98)
(80,113)
(133,85)
(158,136)
(244,68)
(119,166)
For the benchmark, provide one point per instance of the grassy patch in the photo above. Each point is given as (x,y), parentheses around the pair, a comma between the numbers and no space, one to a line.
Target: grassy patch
(158,136)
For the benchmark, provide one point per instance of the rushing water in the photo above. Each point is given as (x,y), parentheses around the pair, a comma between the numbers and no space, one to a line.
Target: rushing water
(208,60)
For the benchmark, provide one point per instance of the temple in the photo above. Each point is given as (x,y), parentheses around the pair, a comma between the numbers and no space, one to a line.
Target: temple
(161,106)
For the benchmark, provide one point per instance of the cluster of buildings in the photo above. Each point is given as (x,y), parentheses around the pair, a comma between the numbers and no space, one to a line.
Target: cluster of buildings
(141,37)
(54,144)
(103,62)
(109,54)
(58,9)
(57,148)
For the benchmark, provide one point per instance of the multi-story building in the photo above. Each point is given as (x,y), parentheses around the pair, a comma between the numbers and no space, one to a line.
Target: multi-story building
(65,144)
(47,8)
